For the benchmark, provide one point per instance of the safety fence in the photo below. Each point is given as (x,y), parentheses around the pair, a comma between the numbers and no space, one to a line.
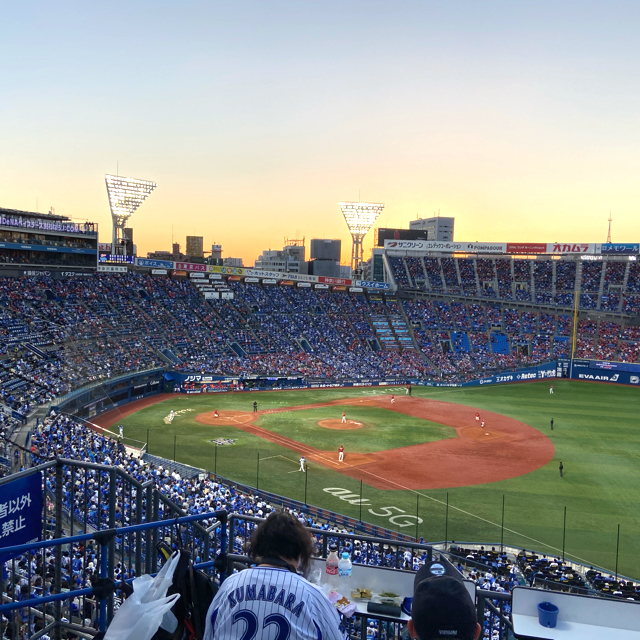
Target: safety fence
(32,607)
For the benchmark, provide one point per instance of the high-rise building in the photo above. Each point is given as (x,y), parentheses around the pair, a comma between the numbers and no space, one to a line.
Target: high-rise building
(438,228)
(195,246)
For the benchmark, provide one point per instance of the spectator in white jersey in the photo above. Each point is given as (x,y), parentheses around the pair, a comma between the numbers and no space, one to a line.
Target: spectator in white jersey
(271,598)
(442,608)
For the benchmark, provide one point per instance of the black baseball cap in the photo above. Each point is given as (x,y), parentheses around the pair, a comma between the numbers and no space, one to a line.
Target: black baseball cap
(442,608)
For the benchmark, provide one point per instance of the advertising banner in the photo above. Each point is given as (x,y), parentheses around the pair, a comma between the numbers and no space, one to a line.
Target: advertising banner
(104,246)
(21,511)
(159,272)
(445,247)
(620,249)
(112,268)
(160,264)
(188,266)
(604,371)
(541,372)
(326,280)
(235,271)
(559,248)
(529,248)
(370,284)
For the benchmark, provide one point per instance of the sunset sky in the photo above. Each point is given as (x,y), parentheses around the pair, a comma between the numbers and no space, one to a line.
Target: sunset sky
(522,120)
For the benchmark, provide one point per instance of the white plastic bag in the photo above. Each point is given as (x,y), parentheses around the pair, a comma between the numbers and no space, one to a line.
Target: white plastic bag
(142,612)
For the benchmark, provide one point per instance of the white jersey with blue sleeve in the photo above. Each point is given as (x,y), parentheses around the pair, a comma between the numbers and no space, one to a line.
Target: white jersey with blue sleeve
(269,603)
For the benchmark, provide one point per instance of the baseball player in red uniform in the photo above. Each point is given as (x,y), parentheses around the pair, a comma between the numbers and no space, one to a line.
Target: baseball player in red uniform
(477,417)
(341,454)
(482,424)
(393,399)
(551,389)
(215,414)
(344,417)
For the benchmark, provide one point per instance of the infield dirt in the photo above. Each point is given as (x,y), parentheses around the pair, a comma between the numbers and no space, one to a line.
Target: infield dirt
(511,448)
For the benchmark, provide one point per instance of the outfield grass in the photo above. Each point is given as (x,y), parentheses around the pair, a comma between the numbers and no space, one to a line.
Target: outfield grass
(596,435)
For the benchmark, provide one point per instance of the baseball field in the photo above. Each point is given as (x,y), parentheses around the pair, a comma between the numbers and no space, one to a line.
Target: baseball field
(424,464)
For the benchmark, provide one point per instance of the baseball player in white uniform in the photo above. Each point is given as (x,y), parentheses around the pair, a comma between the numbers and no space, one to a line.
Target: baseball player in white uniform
(303,464)
(171,414)
(120,428)
(271,601)
(344,418)
(551,389)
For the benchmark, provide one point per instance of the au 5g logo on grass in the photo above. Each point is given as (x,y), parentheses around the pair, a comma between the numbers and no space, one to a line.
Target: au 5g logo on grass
(396,516)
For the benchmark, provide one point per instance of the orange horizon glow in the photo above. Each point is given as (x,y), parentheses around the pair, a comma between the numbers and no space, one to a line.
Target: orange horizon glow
(255,121)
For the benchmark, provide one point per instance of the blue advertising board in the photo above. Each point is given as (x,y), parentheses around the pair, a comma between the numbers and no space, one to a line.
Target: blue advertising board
(42,247)
(371,284)
(21,511)
(155,264)
(541,372)
(604,371)
(620,248)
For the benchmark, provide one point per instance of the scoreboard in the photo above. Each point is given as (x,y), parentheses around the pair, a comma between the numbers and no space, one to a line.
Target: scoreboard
(110,258)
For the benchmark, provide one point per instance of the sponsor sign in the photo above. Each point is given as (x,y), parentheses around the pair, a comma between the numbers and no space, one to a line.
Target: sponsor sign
(211,295)
(236,271)
(111,268)
(252,279)
(188,266)
(304,284)
(286,283)
(105,247)
(559,248)
(21,511)
(269,281)
(371,284)
(197,274)
(43,274)
(161,264)
(620,249)
(234,278)
(339,288)
(159,272)
(526,247)
(321,286)
(176,272)
(356,289)
(215,276)
(445,247)
(326,280)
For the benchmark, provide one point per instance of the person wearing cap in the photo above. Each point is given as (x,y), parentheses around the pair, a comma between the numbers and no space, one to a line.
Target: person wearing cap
(442,608)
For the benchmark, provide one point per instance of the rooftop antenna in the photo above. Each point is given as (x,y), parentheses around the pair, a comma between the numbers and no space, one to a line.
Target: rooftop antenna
(609,232)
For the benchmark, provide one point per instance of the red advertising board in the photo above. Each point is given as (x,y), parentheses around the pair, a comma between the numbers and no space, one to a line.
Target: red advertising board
(526,247)
(188,266)
(327,280)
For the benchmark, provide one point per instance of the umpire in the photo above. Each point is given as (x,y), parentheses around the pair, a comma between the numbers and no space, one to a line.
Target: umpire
(255,407)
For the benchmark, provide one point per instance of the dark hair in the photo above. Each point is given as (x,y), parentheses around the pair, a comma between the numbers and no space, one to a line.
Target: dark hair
(283,536)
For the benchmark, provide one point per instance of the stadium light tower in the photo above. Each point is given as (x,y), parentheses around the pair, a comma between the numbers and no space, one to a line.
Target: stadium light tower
(125,196)
(359,217)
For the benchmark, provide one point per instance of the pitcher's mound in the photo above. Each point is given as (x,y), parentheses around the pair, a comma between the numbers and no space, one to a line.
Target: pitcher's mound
(349,425)
(478,433)
(225,418)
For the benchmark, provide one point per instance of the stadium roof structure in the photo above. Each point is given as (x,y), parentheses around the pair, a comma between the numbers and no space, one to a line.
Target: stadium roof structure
(359,217)
(125,197)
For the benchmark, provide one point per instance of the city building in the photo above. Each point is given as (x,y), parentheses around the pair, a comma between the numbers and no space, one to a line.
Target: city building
(46,241)
(291,259)
(325,257)
(195,246)
(438,228)
(232,262)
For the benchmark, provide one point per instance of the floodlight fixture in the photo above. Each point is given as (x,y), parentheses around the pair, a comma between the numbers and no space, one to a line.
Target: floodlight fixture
(125,196)
(359,217)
